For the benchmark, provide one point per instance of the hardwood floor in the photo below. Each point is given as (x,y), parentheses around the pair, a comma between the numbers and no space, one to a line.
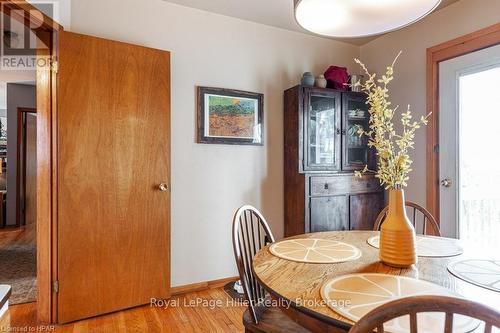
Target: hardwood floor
(218,314)
(24,235)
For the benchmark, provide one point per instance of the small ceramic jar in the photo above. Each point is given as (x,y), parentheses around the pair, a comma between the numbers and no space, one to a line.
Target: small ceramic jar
(308,79)
(320,82)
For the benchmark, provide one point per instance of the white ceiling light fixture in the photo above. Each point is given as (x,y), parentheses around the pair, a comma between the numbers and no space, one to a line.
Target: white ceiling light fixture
(360,18)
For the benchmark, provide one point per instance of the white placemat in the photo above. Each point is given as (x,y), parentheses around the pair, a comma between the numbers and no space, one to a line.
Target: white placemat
(353,296)
(316,251)
(482,273)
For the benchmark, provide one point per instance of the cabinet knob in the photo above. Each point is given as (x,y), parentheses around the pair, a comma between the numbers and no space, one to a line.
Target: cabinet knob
(163,187)
(338,131)
(326,186)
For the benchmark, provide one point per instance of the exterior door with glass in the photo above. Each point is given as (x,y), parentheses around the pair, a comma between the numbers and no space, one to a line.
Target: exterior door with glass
(468,127)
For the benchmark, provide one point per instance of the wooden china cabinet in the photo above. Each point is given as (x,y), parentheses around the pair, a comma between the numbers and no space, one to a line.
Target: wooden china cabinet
(322,151)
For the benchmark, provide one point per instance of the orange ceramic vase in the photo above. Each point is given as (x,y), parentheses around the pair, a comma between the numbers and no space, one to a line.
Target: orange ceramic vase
(397,234)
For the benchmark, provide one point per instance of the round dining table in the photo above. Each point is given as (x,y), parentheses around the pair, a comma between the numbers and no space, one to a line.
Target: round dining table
(295,286)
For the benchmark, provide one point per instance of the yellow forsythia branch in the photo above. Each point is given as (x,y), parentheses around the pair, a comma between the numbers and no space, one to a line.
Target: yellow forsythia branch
(393,159)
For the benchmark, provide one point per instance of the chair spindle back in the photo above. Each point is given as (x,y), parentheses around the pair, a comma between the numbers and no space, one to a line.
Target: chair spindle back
(250,234)
(411,306)
(420,217)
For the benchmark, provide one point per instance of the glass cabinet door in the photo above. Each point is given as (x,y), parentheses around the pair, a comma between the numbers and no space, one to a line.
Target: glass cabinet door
(322,129)
(356,153)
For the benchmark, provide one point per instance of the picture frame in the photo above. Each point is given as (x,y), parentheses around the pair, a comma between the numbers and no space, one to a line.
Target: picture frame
(228,116)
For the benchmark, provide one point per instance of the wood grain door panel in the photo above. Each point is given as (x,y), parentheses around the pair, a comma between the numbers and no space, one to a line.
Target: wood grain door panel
(364,209)
(30,170)
(329,213)
(114,150)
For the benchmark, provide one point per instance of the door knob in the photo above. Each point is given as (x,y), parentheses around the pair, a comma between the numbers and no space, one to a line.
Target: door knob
(446,182)
(163,187)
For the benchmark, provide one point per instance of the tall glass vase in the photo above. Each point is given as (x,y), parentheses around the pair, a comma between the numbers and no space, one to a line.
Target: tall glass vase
(397,234)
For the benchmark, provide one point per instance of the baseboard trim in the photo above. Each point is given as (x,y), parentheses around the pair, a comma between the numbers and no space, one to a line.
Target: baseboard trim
(200,286)
(10,229)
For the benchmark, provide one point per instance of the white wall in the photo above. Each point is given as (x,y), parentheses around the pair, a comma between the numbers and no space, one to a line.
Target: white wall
(209,182)
(3,99)
(60,12)
(409,87)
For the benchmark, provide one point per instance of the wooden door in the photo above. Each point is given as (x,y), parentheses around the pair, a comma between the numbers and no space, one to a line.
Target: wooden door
(26,201)
(329,213)
(364,209)
(113,221)
(30,169)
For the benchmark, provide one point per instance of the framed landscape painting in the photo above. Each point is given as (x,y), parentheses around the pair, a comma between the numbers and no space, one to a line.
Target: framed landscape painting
(228,116)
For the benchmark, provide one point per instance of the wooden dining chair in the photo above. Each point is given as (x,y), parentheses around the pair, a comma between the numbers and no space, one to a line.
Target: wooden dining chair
(417,214)
(250,234)
(451,306)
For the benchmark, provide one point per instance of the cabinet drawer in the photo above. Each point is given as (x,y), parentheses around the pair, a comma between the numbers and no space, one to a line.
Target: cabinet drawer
(336,185)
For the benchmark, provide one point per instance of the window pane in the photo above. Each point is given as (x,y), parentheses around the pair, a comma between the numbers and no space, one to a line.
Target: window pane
(322,131)
(357,117)
(479,188)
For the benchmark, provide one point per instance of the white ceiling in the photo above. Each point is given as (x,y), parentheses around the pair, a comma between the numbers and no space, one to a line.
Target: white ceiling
(277,13)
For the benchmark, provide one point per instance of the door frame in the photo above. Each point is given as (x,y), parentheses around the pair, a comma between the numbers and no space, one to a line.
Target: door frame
(475,41)
(47,31)
(21,174)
